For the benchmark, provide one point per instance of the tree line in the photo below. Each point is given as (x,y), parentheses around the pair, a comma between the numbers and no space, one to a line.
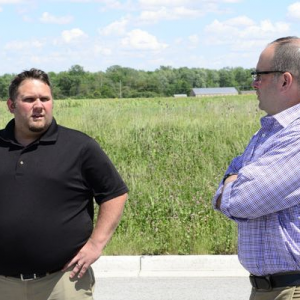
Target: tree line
(123,82)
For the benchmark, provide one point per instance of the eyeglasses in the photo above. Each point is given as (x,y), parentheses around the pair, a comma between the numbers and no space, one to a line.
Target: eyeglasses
(256,75)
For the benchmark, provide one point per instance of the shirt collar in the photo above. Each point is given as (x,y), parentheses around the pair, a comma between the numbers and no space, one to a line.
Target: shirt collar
(50,136)
(285,117)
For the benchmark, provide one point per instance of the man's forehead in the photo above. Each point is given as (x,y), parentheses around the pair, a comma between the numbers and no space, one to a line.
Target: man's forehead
(265,58)
(32,82)
(21,95)
(31,86)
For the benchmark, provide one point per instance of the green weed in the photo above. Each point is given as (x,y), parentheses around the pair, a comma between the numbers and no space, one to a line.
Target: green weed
(172,153)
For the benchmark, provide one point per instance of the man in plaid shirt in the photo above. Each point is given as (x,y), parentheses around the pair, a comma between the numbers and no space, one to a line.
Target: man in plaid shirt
(261,188)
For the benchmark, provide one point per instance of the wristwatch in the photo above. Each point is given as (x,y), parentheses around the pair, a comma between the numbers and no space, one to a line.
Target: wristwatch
(227,175)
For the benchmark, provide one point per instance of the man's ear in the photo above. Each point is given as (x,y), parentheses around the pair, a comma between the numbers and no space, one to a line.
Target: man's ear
(287,80)
(11,105)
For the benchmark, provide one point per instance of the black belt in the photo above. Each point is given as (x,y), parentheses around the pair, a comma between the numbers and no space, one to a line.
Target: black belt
(275,280)
(33,276)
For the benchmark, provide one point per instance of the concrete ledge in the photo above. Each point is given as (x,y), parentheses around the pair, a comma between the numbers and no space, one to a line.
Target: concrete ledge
(117,266)
(169,266)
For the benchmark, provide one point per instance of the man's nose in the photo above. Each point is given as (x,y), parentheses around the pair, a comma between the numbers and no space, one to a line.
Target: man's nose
(255,84)
(38,103)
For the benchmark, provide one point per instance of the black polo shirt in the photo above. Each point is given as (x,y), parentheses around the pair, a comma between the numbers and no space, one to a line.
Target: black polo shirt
(46,197)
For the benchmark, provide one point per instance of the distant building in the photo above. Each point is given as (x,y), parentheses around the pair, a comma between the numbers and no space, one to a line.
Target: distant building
(221,91)
(180,95)
(248,92)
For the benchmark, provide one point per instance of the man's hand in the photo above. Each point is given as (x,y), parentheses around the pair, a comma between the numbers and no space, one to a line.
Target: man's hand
(228,179)
(231,178)
(109,215)
(87,255)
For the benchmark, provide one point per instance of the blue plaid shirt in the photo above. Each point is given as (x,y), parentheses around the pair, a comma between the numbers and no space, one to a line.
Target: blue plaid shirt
(265,198)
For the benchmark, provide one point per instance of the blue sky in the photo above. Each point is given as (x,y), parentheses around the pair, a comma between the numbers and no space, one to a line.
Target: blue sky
(54,35)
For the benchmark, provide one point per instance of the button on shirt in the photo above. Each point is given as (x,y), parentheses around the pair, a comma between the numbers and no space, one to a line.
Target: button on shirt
(265,198)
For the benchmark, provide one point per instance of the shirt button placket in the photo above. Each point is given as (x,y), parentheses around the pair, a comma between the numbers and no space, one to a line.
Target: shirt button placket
(20,164)
(20,167)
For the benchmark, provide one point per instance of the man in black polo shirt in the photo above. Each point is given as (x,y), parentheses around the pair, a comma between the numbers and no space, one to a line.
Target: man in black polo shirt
(49,176)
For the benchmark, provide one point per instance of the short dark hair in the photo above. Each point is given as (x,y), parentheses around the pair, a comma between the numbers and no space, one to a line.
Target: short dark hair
(286,39)
(31,74)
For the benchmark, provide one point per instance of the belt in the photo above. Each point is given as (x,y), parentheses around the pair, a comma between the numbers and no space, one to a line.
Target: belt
(275,280)
(32,276)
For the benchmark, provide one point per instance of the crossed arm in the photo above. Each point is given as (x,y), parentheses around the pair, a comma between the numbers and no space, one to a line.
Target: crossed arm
(265,185)
(229,179)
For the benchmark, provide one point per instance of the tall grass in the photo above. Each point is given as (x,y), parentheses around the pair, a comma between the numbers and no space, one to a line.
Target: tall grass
(172,153)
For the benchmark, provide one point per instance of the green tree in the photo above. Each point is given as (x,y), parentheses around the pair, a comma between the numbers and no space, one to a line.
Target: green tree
(226,77)
(119,81)
(76,70)
(4,84)
(242,78)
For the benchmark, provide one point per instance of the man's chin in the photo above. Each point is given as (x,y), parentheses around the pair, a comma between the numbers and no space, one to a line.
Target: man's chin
(38,128)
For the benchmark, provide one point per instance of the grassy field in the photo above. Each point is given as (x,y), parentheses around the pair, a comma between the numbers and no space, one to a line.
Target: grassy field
(172,153)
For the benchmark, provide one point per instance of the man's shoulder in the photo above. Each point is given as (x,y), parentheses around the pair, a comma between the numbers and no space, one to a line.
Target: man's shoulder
(5,134)
(2,131)
(68,132)
(76,138)
(77,141)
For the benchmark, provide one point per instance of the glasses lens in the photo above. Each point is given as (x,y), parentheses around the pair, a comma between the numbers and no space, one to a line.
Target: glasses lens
(255,77)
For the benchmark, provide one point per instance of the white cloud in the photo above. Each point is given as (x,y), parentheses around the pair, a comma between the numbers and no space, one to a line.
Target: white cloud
(37,59)
(182,12)
(125,37)
(113,4)
(24,45)
(221,29)
(102,50)
(115,28)
(178,41)
(27,19)
(294,11)
(154,16)
(172,3)
(204,5)
(164,13)
(117,5)
(80,1)
(11,1)
(194,39)
(244,28)
(142,40)
(1,9)
(279,27)
(240,21)
(233,1)
(242,42)
(73,35)
(48,18)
